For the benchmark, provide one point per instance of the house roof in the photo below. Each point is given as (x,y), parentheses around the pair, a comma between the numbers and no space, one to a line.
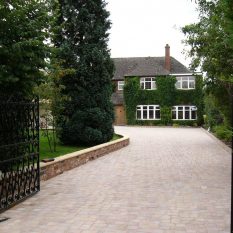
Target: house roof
(145,66)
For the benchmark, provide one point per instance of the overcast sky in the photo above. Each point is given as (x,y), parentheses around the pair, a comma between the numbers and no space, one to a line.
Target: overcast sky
(143,28)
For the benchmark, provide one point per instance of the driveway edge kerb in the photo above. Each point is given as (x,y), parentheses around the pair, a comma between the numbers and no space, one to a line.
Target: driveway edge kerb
(219,142)
(161,126)
(78,158)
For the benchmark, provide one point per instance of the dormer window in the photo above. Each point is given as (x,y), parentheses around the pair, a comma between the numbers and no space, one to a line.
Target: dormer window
(147,83)
(121,85)
(185,82)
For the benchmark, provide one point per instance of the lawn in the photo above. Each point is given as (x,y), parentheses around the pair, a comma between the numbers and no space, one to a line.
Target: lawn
(60,149)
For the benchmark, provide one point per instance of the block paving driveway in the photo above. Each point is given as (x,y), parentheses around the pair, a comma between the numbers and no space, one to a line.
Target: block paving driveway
(168,180)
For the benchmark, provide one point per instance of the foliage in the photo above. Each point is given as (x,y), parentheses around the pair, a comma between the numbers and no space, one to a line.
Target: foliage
(211,43)
(223,132)
(166,115)
(116,136)
(166,90)
(194,97)
(166,95)
(45,151)
(185,123)
(49,92)
(131,95)
(87,114)
(213,115)
(24,27)
(215,120)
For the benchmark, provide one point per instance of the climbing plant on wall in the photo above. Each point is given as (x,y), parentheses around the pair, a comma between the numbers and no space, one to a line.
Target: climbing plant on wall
(166,95)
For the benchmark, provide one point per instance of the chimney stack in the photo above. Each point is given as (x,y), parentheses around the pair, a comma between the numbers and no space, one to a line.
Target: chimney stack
(167,58)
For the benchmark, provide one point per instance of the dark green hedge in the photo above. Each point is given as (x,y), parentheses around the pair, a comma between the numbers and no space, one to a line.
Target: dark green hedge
(166,95)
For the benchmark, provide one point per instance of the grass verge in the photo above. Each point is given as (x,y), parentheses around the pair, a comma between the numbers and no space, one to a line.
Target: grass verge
(46,153)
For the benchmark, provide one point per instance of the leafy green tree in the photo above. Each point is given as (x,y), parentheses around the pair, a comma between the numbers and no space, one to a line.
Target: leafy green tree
(24,29)
(87,115)
(211,42)
(212,115)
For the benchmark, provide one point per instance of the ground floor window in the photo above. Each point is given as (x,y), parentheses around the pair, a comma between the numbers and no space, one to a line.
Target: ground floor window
(184,112)
(148,112)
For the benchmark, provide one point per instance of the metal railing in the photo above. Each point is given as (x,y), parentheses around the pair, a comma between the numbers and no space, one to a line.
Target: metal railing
(19,151)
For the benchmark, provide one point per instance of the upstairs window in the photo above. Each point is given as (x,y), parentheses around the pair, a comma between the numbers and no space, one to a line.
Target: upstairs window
(184,113)
(147,83)
(121,85)
(148,112)
(185,82)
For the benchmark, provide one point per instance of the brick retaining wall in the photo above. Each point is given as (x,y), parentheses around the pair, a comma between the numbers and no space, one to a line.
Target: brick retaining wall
(75,159)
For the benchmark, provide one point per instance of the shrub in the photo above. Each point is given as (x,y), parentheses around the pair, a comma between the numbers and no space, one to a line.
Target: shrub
(213,116)
(223,132)
(185,123)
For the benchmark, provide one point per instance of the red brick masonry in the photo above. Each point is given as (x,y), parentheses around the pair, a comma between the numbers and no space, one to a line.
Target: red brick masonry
(75,159)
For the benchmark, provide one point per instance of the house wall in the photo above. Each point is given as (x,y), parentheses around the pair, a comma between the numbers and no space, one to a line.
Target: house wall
(166,95)
(119,110)
(115,85)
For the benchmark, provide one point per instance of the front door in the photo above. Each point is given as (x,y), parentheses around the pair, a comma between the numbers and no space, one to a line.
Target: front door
(120,118)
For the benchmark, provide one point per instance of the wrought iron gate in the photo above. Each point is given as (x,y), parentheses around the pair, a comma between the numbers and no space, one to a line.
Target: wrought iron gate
(19,151)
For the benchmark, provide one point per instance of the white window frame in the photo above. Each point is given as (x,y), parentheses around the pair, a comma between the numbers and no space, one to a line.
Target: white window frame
(144,81)
(154,108)
(120,85)
(191,108)
(181,79)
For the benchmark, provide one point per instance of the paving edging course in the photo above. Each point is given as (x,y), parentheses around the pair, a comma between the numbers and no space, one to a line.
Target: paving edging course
(218,141)
(75,159)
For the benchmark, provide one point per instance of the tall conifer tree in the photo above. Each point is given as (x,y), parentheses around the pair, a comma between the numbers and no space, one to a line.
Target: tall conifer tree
(87,114)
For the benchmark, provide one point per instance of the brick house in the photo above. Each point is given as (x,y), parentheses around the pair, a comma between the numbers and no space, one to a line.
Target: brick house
(146,69)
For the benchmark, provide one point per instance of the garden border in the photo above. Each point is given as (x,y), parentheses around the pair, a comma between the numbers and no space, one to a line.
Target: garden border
(218,141)
(78,158)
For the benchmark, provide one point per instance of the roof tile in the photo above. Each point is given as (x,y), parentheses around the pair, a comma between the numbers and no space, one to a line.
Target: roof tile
(145,66)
